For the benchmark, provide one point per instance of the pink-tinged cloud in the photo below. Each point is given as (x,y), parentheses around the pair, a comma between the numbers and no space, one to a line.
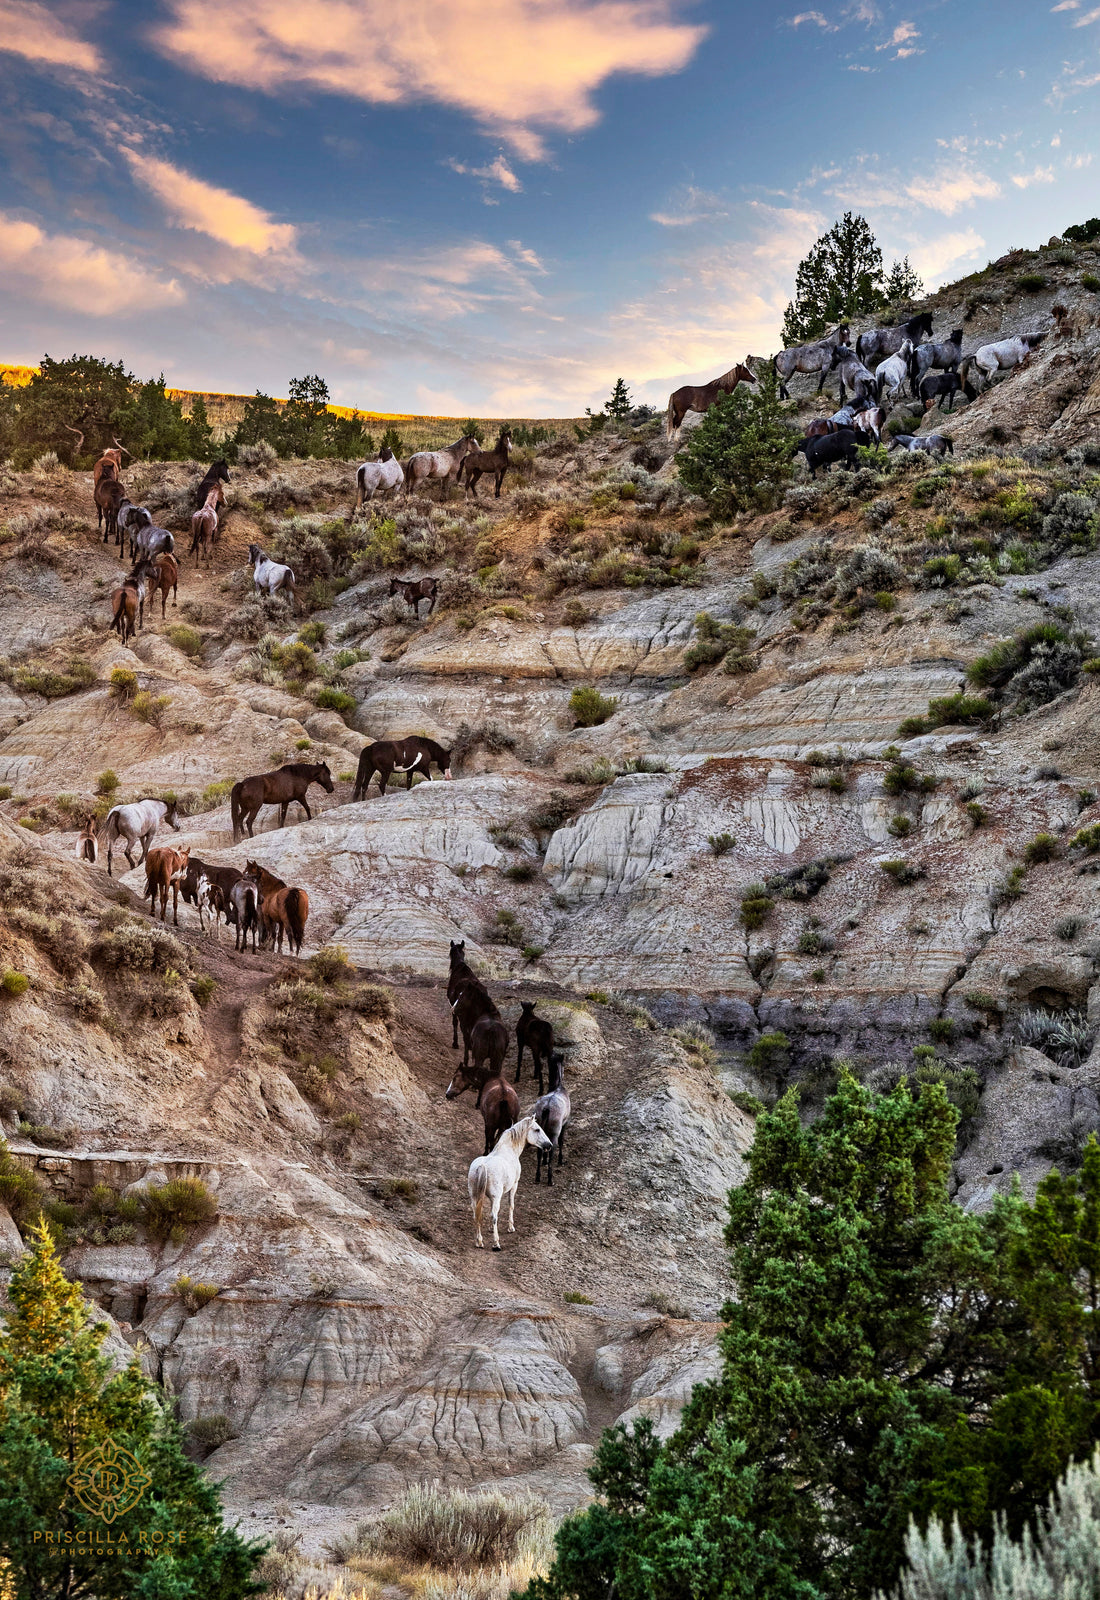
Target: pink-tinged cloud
(816,17)
(1089,16)
(900,36)
(65,271)
(222,215)
(35,33)
(1024,180)
(514,65)
(496,171)
(948,191)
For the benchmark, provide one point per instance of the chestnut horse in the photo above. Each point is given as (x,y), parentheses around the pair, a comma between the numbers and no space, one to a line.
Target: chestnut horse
(689,398)
(278,788)
(164,867)
(165,575)
(282,909)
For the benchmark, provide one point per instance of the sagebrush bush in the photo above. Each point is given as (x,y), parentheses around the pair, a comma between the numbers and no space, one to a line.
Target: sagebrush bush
(868,569)
(171,1210)
(150,708)
(450,1529)
(590,708)
(188,640)
(140,947)
(330,964)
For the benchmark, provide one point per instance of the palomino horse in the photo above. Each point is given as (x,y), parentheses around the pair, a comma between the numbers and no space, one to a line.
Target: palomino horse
(534,1034)
(87,846)
(701,398)
(137,821)
(552,1111)
(480,462)
(268,575)
(441,464)
(388,756)
(276,788)
(495,1177)
(164,867)
(413,590)
(282,909)
(815,357)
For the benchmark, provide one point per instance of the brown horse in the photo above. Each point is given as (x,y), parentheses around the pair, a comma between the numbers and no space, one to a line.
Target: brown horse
(204,523)
(497,1101)
(87,846)
(164,576)
(109,499)
(125,603)
(110,462)
(471,1005)
(413,590)
(681,401)
(535,1034)
(480,462)
(164,867)
(388,756)
(282,909)
(278,788)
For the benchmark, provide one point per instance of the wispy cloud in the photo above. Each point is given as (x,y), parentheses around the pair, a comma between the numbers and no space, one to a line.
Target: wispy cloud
(76,275)
(455,280)
(691,206)
(1089,16)
(1066,5)
(948,191)
(36,33)
(204,208)
(517,66)
(934,257)
(496,171)
(1024,180)
(900,36)
(816,17)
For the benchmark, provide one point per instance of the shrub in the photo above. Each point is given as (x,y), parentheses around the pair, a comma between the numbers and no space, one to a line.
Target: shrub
(506,929)
(750,1104)
(551,814)
(942,571)
(194,1295)
(107,782)
(976,812)
(961,710)
(207,1433)
(1087,839)
(721,843)
(313,633)
(20,1190)
(575,1298)
(150,708)
(740,456)
(1090,281)
(1067,928)
(770,1053)
(715,640)
(451,1529)
(14,983)
(998,666)
(330,964)
(590,708)
(1011,886)
(902,872)
(203,988)
(1072,520)
(171,1210)
(900,826)
(813,940)
(1064,1036)
(124,686)
(335,700)
(868,569)
(188,640)
(755,905)
(941,1029)
(1031,283)
(1044,847)
(901,777)
(140,947)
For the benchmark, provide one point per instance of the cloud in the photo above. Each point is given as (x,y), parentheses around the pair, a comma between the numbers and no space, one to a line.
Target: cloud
(815,17)
(191,203)
(1089,16)
(691,206)
(933,257)
(1024,180)
(1066,5)
(948,191)
(35,32)
(497,171)
(514,65)
(901,35)
(1078,161)
(65,271)
(455,280)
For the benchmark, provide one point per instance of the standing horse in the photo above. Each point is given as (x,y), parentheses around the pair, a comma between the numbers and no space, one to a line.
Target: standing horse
(384,474)
(1005,354)
(165,575)
(413,590)
(388,756)
(127,605)
(815,357)
(87,846)
(150,542)
(217,472)
(204,522)
(480,462)
(131,520)
(701,398)
(270,575)
(110,462)
(860,379)
(944,355)
(282,909)
(534,1034)
(471,1006)
(552,1111)
(164,867)
(442,464)
(277,788)
(110,497)
(878,342)
(139,820)
(495,1178)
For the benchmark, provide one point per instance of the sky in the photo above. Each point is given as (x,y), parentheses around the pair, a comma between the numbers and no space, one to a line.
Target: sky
(498,207)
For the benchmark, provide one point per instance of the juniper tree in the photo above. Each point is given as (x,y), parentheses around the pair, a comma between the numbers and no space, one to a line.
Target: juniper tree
(841,277)
(618,403)
(741,454)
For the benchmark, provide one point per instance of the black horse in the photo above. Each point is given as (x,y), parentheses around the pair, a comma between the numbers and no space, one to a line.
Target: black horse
(217,472)
(388,756)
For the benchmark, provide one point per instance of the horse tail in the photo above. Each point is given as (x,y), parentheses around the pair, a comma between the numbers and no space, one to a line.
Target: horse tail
(478,1182)
(235,810)
(297,910)
(669,426)
(116,620)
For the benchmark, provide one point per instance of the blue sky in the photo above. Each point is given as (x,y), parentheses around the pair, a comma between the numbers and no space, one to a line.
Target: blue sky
(499,206)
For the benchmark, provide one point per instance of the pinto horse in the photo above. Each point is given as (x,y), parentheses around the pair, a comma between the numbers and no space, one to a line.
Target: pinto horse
(282,909)
(388,756)
(277,788)
(681,401)
(204,523)
(109,464)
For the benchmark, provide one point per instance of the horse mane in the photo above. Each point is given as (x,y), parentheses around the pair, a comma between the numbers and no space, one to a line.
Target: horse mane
(300,768)
(729,377)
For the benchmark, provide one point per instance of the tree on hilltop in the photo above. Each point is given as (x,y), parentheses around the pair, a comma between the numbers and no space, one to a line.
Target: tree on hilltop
(840,277)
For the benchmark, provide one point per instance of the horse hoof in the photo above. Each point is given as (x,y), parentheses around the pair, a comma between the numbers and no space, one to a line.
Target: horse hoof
(497,1247)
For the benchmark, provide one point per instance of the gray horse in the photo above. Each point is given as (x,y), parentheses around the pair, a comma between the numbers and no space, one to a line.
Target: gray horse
(944,355)
(139,820)
(879,342)
(552,1111)
(815,357)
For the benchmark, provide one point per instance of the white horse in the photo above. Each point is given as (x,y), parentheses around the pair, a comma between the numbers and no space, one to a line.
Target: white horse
(1006,354)
(495,1177)
(441,464)
(386,473)
(270,575)
(139,820)
(893,372)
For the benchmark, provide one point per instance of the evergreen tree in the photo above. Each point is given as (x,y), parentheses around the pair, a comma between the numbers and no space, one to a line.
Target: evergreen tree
(741,454)
(201,441)
(392,440)
(841,277)
(902,283)
(305,415)
(59,1402)
(81,392)
(619,404)
(261,420)
(152,425)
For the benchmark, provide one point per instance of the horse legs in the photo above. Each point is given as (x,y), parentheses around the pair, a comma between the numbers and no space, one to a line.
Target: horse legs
(512,1207)
(304,803)
(129,857)
(538,1165)
(519,1062)
(477,1208)
(561,1145)
(497,1198)
(176,904)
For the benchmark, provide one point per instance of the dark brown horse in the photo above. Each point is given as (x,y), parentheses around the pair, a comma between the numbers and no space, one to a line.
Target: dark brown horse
(681,401)
(413,590)
(109,498)
(217,472)
(165,575)
(409,755)
(282,909)
(126,601)
(496,1100)
(277,788)
(534,1034)
(472,1004)
(460,974)
(480,462)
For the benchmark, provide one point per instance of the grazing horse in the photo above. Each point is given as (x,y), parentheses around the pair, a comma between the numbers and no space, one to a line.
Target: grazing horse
(137,821)
(552,1111)
(204,522)
(413,590)
(1005,354)
(702,397)
(109,464)
(388,756)
(109,499)
(384,474)
(282,909)
(270,575)
(814,357)
(131,520)
(217,472)
(442,464)
(87,846)
(495,1177)
(879,342)
(277,788)
(480,462)
(534,1034)
(165,575)
(164,867)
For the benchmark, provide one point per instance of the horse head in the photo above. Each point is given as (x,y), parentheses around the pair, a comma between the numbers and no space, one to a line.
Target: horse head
(459,1084)
(255,555)
(395,585)
(458,952)
(182,858)
(323,776)
(385,454)
(219,471)
(171,816)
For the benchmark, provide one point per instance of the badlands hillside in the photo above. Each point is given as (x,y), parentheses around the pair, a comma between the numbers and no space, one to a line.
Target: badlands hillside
(746,871)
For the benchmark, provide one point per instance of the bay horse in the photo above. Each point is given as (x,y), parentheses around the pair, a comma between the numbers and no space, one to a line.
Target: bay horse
(126,602)
(278,788)
(110,497)
(460,974)
(282,909)
(552,1111)
(442,464)
(164,867)
(495,1097)
(689,398)
(87,846)
(480,462)
(164,575)
(413,590)
(110,462)
(139,820)
(495,1177)
(410,755)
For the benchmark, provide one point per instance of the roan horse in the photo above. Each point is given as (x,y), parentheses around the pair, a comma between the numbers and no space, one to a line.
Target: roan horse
(814,357)
(137,821)
(687,398)
(552,1111)
(388,756)
(282,909)
(495,1178)
(442,464)
(270,575)
(276,788)
(204,522)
